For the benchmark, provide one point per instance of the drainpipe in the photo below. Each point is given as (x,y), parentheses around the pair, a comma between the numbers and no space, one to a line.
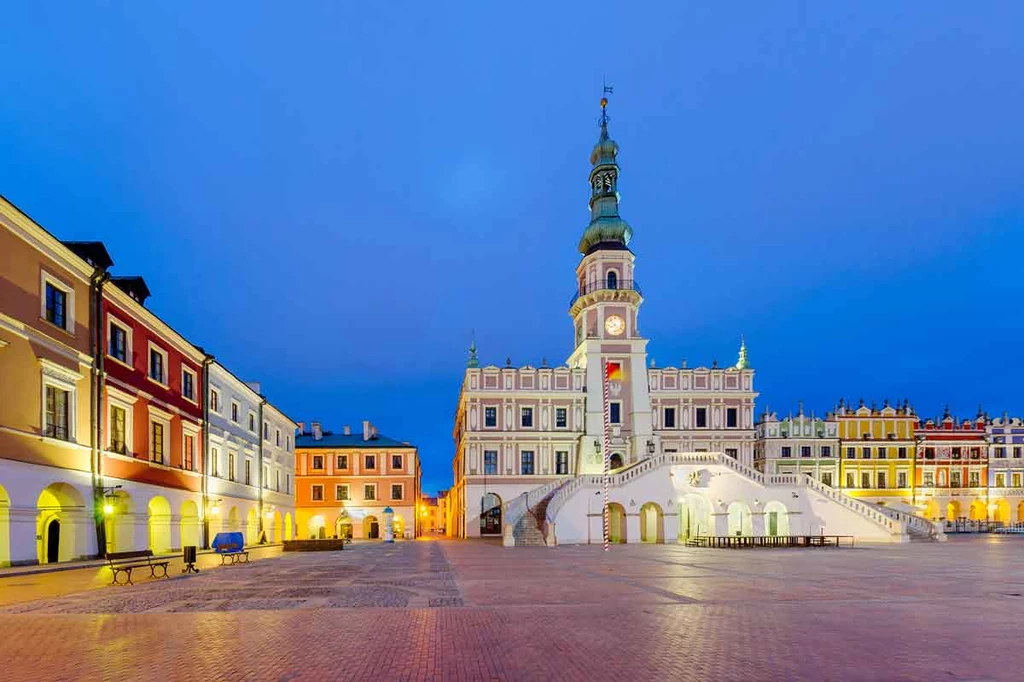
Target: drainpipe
(205,479)
(259,470)
(99,277)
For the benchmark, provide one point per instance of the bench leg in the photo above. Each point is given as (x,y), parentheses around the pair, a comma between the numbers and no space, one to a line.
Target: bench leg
(126,571)
(152,570)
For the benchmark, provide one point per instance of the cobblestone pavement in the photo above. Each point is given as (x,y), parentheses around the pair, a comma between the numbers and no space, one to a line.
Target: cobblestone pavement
(477,611)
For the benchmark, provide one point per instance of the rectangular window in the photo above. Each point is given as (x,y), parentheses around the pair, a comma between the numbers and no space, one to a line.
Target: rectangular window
(490,417)
(561,417)
(954,479)
(670,417)
(490,462)
(865,453)
(214,464)
(956,453)
(702,418)
(881,479)
(1000,480)
(265,480)
(234,411)
(731,417)
(851,453)
(318,462)
(266,431)
(277,480)
(396,491)
(561,462)
(865,479)
(188,452)
(287,443)
(318,493)
(118,343)
(730,452)
(214,400)
(248,472)
(56,306)
(929,479)
(929,453)
(277,437)
(396,462)
(287,483)
(805,450)
(826,478)
(826,451)
(1016,480)
(851,482)
(881,453)
(157,442)
(157,362)
(1000,452)
(1016,452)
(974,479)
(341,462)
(615,413)
(901,453)
(526,417)
(901,479)
(231,466)
(341,492)
(526,468)
(787,451)
(57,412)
(369,491)
(370,462)
(188,384)
(252,422)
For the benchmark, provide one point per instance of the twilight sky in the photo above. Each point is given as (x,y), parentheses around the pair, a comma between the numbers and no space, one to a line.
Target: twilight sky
(332,198)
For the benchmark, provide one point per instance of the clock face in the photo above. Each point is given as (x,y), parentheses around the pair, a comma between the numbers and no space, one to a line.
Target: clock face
(615,325)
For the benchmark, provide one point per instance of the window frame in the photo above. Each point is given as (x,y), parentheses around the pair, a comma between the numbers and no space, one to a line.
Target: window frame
(338,462)
(69,301)
(735,412)
(562,412)
(665,420)
(494,409)
(165,438)
(313,461)
(700,414)
(561,457)
(615,412)
(401,493)
(186,370)
(235,412)
(373,496)
(401,462)
(115,404)
(113,321)
(486,472)
(342,492)
(215,461)
(366,462)
(316,492)
(165,365)
(525,410)
(525,461)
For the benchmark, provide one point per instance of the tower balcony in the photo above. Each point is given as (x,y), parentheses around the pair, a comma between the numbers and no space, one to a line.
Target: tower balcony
(606,289)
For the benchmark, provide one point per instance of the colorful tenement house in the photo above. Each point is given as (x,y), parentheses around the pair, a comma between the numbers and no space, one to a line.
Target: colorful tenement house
(951,479)
(102,437)
(1006,468)
(345,482)
(877,452)
(801,444)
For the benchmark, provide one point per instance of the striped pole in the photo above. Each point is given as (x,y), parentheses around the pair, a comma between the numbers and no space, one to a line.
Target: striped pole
(607,456)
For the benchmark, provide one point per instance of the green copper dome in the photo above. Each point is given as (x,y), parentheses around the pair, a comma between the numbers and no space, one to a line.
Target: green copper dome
(606,227)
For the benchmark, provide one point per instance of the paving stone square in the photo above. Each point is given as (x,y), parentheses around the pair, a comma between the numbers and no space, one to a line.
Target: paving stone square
(473,610)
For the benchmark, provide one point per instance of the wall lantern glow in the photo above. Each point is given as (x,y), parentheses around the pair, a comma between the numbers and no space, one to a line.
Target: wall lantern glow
(108,509)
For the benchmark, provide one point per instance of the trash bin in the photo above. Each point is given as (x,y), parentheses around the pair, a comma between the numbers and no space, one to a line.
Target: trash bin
(188,555)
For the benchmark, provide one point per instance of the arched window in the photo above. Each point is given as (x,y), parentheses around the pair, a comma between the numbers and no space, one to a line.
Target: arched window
(613,280)
(615,461)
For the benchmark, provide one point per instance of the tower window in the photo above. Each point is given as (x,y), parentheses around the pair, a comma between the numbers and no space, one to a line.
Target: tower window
(615,413)
(613,280)
(702,417)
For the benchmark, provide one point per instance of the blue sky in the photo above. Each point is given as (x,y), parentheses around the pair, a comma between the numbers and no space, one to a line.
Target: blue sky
(333,197)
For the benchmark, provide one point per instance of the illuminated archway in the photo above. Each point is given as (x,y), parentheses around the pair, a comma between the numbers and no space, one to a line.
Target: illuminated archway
(616,523)
(118,521)
(776,519)
(191,527)
(371,528)
(343,527)
(252,527)
(234,523)
(490,514)
(741,521)
(694,517)
(1002,512)
(977,511)
(315,527)
(953,510)
(61,523)
(1020,513)
(278,526)
(652,523)
(5,528)
(931,510)
(159,525)
(398,526)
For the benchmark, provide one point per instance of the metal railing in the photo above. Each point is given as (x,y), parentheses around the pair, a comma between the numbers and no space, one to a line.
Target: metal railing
(606,285)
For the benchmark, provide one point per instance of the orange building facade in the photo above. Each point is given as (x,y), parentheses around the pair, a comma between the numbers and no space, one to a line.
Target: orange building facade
(345,482)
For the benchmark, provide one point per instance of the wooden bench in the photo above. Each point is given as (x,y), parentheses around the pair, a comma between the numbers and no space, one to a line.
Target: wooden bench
(233,551)
(126,562)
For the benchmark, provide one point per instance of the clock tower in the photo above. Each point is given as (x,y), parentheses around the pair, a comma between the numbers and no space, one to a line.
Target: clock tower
(604,313)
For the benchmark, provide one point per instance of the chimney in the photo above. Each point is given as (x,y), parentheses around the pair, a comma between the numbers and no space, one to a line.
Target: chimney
(302,428)
(366,429)
(317,431)
(347,430)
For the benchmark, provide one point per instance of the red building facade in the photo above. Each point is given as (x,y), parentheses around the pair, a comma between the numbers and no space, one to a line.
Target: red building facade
(951,479)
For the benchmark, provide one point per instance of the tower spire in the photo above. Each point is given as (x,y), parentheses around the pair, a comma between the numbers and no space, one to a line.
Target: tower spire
(606,227)
(743,362)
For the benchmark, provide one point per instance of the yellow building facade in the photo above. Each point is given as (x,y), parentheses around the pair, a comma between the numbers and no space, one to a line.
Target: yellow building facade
(877,450)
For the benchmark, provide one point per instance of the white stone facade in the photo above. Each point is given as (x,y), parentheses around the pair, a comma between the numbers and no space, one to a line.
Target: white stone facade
(800,444)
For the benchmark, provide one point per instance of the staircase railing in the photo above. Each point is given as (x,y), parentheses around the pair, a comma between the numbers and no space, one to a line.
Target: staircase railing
(914,522)
(890,524)
(515,509)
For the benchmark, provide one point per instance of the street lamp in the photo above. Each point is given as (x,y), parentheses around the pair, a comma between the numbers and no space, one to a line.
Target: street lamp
(108,499)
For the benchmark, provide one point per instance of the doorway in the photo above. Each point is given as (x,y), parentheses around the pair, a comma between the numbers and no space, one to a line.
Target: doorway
(53,542)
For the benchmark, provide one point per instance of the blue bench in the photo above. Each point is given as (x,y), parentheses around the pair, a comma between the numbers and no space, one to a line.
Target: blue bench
(230,546)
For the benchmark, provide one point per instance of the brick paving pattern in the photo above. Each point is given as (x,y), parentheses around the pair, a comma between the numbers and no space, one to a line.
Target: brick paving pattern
(476,611)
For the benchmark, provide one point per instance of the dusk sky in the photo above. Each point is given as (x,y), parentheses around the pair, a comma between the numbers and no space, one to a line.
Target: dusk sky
(332,199)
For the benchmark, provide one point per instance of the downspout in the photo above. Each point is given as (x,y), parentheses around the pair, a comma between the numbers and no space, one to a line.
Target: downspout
(259,471)
(205,479)
(99,277)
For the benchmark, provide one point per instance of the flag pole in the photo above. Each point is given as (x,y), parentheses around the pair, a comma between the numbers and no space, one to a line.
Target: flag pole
(607,456)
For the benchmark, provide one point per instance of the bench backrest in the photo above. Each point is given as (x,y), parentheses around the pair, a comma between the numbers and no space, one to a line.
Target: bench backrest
(229,547)
(137,554)
(228,542)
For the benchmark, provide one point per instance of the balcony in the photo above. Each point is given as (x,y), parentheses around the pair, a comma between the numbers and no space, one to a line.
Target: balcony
(610,284)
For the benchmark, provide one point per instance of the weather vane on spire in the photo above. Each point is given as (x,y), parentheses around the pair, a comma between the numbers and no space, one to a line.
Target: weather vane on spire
(605,91)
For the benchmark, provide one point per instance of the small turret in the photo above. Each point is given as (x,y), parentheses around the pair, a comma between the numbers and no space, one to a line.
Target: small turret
(743,362)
